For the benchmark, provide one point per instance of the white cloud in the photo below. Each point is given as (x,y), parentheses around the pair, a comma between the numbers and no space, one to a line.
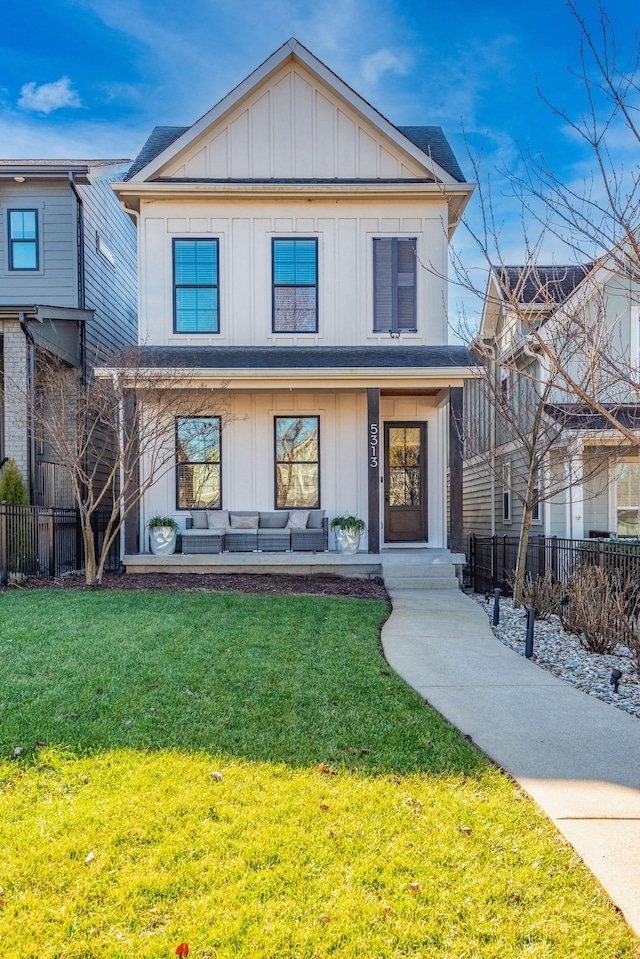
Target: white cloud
(375,65)
(48,96)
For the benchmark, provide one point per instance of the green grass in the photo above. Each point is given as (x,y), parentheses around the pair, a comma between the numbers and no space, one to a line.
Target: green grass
(140,696)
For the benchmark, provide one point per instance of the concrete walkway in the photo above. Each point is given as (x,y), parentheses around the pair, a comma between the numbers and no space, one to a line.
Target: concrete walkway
(577,757)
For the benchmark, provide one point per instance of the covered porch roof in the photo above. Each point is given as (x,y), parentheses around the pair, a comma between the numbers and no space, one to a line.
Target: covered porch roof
(284,366)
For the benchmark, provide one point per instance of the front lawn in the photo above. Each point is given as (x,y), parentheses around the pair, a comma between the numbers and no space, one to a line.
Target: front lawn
(344,818)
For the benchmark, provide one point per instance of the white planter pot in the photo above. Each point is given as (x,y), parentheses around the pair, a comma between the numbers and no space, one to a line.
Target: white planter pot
(347,540)
(162,540)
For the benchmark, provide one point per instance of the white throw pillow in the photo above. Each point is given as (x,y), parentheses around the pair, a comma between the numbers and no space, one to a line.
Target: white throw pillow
(298,519)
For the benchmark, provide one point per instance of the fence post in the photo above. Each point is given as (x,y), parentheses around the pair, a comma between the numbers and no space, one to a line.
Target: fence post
(542,556)
(554,556)
(79,541)
(4,546)
(52,542)
(494,561)
(600,554)
(472,560)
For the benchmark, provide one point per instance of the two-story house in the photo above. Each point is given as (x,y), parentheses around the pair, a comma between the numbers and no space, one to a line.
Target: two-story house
(588,475)
(293,248)
(68,288)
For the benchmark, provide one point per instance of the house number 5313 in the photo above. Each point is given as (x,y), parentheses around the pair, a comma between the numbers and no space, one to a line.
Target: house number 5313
(373,446)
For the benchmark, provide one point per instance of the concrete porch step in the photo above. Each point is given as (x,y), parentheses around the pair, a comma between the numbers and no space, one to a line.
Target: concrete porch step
(421,582)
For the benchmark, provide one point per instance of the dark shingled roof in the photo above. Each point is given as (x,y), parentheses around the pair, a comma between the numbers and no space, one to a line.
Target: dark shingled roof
(158,141)
(298,357)
(431,140)
(576,416)
(542,284)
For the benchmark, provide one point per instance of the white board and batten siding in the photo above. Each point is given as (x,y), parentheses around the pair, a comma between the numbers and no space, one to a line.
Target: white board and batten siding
(293,127)
(248,460)
(345,231)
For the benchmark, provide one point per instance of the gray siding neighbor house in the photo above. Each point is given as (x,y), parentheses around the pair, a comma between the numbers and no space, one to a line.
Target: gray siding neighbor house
(588,480)
(68,288)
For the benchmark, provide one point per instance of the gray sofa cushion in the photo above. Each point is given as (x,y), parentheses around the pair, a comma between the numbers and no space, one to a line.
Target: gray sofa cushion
(244,521)
(274,531)
(316,517)
(199,519)
(274,520)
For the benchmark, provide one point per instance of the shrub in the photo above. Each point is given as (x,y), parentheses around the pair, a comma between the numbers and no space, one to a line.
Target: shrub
(601,610)
(544,593)
(12,488)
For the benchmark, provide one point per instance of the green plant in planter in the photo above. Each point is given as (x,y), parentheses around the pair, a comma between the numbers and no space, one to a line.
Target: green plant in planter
(345,523)
(163,522)
(163,531)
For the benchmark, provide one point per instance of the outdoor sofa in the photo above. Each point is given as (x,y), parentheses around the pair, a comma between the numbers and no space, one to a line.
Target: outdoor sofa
(246,531)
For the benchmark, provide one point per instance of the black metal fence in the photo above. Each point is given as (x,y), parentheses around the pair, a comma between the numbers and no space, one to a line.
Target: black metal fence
(47,542)
(492,559)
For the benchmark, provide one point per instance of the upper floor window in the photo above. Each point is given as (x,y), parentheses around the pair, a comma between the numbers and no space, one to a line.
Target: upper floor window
(394,285)
(23,239)
(196,286)
(295,286)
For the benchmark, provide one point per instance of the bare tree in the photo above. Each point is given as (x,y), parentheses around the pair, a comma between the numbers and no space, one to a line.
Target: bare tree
(580,322)
(114,434)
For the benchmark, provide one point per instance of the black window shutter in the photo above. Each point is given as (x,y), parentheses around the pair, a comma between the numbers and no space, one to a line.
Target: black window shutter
(394,284)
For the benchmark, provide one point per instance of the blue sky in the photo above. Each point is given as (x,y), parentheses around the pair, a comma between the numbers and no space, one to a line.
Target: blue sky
(90,78)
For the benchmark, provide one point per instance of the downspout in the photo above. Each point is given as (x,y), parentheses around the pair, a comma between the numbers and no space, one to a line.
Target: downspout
(31,388)
(81,284)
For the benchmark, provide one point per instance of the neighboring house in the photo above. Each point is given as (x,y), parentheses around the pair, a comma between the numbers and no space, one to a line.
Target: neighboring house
(589,482)
(68,287)
(294,246)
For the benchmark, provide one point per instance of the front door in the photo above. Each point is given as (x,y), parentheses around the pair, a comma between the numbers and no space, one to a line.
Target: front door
(405,482)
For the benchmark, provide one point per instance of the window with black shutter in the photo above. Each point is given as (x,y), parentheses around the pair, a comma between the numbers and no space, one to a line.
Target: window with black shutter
(394,285)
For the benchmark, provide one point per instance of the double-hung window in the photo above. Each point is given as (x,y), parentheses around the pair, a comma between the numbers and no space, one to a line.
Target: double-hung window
(23,239)
(295,285)
(297,461)
(196,286)
(394,285)
(198,466)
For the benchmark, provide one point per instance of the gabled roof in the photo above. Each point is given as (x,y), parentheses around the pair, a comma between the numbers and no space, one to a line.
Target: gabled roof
(426,145)
(433,142)
(159,140)
(542,285)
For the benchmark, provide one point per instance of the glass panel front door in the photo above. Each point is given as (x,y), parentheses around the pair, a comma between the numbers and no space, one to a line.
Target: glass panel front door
(405,482)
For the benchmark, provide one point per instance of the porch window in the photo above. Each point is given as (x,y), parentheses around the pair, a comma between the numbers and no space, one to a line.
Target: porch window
(297,460)
(295,286)
(196,286)
(23,239)
(198,466)
(394,285)
(628,499)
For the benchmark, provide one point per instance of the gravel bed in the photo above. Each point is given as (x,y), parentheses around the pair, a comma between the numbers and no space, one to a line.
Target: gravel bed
(562,655)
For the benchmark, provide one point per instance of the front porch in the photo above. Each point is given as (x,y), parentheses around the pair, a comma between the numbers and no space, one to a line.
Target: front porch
(410,564)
